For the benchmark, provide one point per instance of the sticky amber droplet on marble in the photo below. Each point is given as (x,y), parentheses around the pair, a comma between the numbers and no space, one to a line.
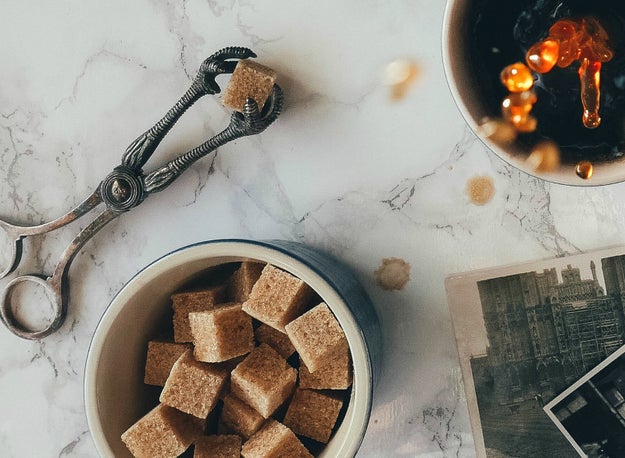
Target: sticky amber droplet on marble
(480,189)
(584,170)
(517,77)
(543,56)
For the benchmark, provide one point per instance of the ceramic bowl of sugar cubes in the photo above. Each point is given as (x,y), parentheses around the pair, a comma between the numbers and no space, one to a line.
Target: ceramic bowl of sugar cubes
(235,348)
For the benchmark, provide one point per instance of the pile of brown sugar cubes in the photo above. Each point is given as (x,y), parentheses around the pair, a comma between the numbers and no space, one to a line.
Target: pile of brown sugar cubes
(258,367)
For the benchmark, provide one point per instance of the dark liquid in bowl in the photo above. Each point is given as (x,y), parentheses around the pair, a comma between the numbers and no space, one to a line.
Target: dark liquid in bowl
(503,30)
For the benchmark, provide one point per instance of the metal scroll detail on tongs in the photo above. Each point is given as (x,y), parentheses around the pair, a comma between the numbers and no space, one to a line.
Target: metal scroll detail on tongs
(127,186)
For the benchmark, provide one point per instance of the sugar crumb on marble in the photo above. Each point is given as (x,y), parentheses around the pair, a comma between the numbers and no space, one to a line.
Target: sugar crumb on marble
(400,75)
(393,274)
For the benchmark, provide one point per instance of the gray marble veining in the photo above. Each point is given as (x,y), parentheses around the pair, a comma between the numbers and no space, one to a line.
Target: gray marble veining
(344,169)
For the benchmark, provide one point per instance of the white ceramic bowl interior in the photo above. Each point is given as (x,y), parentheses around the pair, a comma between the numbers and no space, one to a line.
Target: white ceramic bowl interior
(115,396)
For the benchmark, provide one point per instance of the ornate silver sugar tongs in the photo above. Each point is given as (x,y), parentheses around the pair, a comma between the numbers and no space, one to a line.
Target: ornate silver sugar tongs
(127,186)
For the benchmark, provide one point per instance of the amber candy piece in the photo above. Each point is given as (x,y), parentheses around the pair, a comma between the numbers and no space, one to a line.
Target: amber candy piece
(590,79)
(545,157)
(498,131)
(584,170)
(517,106)
(543,56)
(569,40)
(570,35)
(517,77)
(564,29)
(594,50)
(526,124)
(597,46)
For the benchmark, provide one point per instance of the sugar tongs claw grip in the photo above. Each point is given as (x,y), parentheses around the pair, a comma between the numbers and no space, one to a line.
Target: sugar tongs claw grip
(127,186)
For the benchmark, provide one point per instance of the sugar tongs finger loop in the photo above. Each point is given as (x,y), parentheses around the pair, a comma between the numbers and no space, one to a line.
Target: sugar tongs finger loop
(127,186)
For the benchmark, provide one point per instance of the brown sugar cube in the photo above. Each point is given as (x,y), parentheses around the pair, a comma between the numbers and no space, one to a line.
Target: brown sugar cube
(222,333)
(277,297)
(192,386)
(263,380)
(224,446)
(277,340)
(335,374)
(250,80)
(274,440)
(312,414)
(160,358)
(239,418)
(163,432)
(193,301)
(316,336)
(242,280)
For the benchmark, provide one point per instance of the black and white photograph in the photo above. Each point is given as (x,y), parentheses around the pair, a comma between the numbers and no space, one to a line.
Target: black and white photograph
(528,333)
(591,413)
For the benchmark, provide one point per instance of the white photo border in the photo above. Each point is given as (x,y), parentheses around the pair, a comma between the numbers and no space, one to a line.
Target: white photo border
(574,387)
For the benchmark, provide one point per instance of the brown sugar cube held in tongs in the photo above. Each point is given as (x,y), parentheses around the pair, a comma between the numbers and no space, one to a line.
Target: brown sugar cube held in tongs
(277,340)
(274,440)
(222,333)
(242,280)
(277,297)
(263,380)
(162,432)
(250,80)
(193,301)
(222,446)
(317,336)
(160,358)
(237,417)
(312,414)
(194,387)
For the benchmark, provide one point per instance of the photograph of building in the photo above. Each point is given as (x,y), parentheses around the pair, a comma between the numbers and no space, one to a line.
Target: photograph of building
(527,333)
(544,334)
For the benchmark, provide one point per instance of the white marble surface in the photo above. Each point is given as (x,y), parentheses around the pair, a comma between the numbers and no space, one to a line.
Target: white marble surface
(344,169)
